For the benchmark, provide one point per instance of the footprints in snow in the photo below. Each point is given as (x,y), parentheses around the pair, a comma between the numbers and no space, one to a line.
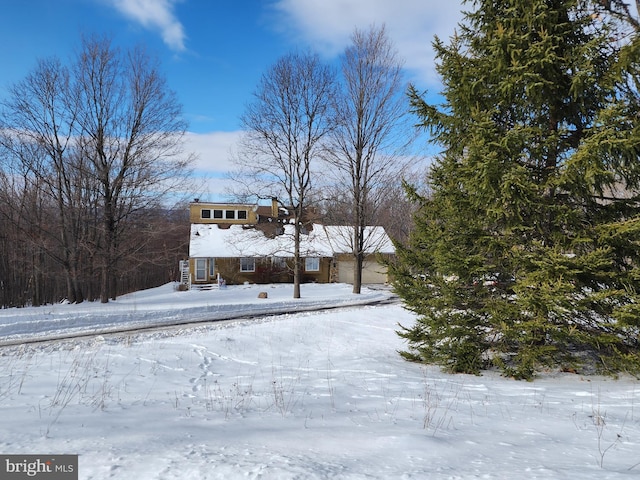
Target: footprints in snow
(206,366)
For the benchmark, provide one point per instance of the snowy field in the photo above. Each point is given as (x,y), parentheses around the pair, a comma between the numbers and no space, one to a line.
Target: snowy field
(306,395)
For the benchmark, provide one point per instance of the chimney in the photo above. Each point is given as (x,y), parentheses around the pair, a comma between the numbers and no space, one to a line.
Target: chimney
(274,207)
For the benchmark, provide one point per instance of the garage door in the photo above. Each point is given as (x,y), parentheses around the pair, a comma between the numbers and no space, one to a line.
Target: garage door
(372,272)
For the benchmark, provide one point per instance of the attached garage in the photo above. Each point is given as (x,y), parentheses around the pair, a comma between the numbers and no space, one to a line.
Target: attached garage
(372,272)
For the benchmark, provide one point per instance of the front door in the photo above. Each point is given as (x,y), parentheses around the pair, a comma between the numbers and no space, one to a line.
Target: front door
(201,269)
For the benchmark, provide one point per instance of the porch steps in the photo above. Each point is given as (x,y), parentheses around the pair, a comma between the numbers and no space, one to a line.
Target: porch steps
(204,286)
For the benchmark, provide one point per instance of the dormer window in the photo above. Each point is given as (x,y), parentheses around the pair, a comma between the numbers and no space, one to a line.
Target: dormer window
(223,214)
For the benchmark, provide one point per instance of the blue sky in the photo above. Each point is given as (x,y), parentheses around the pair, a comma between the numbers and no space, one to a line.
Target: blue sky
(213,52)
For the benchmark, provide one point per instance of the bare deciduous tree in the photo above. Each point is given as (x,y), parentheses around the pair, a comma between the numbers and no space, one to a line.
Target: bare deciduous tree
(88,155)
(131,128)
(365,147)
(285,125)
(38,134)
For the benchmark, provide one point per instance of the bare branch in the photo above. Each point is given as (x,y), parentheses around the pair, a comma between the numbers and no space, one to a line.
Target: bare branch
(285,125)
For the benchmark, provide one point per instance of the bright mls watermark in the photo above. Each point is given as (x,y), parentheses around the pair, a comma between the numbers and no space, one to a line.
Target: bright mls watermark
(50,467)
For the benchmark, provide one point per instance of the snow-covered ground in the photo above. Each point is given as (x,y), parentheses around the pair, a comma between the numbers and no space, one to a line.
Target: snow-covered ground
(307,395)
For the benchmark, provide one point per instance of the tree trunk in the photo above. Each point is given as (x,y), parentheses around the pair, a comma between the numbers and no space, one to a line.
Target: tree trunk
(107,259)
(296,262)
(104,283)
(357,273)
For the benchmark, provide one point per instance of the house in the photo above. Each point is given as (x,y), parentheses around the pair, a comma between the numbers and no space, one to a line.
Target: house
(241,243)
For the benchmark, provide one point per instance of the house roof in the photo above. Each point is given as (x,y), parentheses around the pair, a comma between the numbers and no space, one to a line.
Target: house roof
(208,240)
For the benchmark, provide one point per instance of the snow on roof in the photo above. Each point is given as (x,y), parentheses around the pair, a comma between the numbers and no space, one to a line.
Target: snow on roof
(208,240)
(341,239)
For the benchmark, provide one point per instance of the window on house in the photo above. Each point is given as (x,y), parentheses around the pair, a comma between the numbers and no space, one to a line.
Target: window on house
(247,264)
(278,262)
(212,268)
(205,213)
(201,269)
(312,264)
(230,214)
(242,214)
(217,214)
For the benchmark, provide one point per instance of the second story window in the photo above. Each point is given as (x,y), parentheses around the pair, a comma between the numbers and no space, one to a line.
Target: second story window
(223,214)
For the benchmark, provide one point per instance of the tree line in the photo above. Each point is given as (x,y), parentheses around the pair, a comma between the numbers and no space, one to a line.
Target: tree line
(89,155)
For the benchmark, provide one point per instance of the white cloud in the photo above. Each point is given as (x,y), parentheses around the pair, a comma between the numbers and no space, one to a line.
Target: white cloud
(411,24)
(215,152)
(155,15)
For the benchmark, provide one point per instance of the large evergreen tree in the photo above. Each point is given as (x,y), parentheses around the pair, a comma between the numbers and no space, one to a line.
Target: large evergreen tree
(525,253)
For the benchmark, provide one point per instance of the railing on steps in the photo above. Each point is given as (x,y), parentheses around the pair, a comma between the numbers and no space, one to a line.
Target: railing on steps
(185,275)
(185,279)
